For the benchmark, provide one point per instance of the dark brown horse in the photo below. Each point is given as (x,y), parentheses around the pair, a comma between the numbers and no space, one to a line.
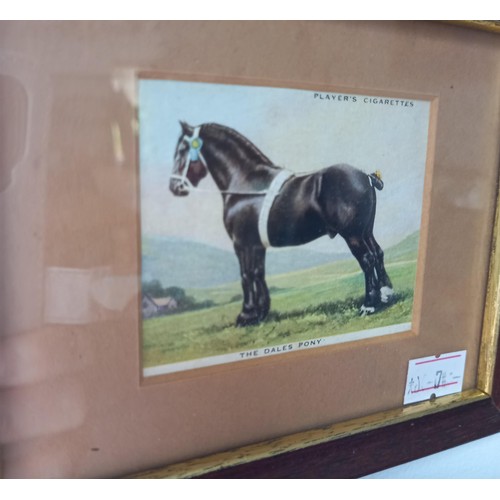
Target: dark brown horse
(265,206)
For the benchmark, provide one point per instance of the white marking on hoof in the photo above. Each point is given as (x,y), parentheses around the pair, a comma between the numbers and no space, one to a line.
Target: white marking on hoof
(386,294)
(364,311)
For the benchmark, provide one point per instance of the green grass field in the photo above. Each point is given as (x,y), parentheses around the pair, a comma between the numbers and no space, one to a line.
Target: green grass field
(308,304)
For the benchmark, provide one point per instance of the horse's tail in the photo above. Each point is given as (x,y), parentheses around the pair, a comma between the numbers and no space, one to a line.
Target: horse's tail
(376,180)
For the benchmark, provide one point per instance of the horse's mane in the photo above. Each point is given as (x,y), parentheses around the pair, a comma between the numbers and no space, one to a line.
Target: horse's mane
(258,155)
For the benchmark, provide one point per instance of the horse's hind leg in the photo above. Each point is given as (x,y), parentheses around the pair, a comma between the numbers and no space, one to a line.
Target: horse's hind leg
(366,258)
(385,284)
(256,301)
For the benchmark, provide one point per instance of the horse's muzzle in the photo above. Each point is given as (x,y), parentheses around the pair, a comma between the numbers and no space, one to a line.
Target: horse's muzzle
(178,187)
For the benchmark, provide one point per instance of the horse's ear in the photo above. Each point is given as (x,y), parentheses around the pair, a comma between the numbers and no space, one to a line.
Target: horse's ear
(186,129)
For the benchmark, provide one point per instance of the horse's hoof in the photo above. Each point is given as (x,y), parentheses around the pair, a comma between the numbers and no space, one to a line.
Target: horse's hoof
(386,294)
(365,311)
(263,315)
(245,319)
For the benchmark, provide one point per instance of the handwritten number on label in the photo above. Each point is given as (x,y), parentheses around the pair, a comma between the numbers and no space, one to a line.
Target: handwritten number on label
(437,382)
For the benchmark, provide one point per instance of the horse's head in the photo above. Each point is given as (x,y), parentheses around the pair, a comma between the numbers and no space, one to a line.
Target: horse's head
(190,166)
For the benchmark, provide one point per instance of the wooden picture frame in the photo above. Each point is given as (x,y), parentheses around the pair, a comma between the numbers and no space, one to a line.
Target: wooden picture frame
(95,417)
(349,451)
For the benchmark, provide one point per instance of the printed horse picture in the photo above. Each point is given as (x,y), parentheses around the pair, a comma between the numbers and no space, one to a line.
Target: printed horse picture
(265,205)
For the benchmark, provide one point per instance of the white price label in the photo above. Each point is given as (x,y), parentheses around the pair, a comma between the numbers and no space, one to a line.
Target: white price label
(434,376)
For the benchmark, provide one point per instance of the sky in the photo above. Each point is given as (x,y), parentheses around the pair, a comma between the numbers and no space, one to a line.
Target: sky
(301,130)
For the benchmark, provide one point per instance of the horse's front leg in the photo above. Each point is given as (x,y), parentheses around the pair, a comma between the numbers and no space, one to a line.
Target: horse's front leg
(256,301)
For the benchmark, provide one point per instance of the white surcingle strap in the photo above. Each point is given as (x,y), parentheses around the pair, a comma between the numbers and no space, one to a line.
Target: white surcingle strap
(272,192)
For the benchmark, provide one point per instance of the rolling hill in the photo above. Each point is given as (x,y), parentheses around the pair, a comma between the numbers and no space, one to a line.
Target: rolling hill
(188,264)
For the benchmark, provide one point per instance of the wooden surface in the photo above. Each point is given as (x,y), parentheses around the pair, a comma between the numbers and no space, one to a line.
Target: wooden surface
(491,26)
(379,449)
